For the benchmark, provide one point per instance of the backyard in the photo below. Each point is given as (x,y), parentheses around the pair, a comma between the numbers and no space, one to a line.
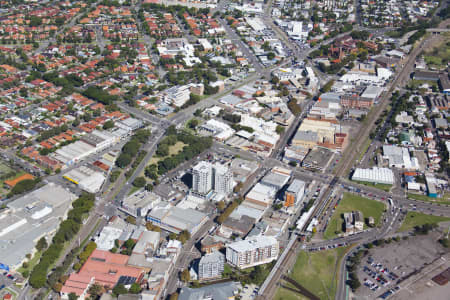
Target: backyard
(349,203)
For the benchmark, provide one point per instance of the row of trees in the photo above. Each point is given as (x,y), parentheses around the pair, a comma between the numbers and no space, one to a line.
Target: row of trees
(83,256)
(227,212)
(67,230)
(131,148)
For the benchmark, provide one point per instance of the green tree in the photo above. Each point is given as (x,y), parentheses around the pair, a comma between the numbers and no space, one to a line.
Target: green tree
(108,124)
(279,129)
(95,290)
(73,296)
(193,123)
(135,288)
(139,182)
(123,160)
(41,244)
(119,289)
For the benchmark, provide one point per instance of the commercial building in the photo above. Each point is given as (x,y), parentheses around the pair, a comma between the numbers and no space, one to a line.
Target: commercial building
(294,193)
(148,243)
(260,196)
(139,203)
(107,237)
(356,101)
(212,243)
(398,157)
(211,266)
(175,219)
(254,251)
(374,175)
(276,179)
(219,130)
(90,143)
(86,178)
(242,169)
(29,218)
(240,226)
(219,291)
(129,124)
(104,268)
(317,159)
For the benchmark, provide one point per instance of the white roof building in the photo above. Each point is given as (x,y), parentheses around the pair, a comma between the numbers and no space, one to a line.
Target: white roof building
(399,157)
(219,130)
(87,179)
(30,217)
(374,175)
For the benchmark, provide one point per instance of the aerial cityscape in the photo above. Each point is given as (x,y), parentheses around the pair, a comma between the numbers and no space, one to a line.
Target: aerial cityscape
(224,149)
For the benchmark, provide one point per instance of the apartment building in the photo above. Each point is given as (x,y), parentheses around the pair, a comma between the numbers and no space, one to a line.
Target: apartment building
(211,266)
(255,251)
(207,177)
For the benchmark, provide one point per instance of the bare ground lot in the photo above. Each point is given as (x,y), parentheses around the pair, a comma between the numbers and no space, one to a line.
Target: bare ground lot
(402,259)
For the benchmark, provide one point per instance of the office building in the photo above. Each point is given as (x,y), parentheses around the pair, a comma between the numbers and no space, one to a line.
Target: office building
(255,251)
(211,266)
(294,193)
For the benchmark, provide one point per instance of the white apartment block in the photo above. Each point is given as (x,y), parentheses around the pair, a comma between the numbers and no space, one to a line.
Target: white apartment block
(211,266)
(255,251)
(223,179)
(202,181)
(207,177)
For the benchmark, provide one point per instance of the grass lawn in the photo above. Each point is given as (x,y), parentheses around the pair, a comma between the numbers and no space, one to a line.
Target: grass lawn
(413,219)
(284,294)
(4,168)
(381,186)
(315,271)
(363,151)
(174,149)
(33,261)
(351,202)
(444,200)
(133,190)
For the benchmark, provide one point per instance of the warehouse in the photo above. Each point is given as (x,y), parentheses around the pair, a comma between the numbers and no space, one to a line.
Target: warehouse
(30,217)
(399,157)
(175,219)
(87,179)
(317,159)
(260,197)
(275,180)
(129,124)
(374,175)
(219,130)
